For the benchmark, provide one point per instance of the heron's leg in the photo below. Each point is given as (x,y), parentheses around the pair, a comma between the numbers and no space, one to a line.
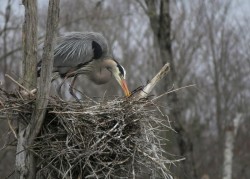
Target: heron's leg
(71,88)
(60,86)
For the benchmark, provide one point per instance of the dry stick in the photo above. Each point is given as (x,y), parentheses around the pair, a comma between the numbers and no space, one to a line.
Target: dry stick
(173,91)
(12,128)
(156,161)
(21,86)
(1,103)
(149,87)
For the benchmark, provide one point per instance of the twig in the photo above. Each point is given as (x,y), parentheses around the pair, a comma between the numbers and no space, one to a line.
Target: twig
(21,86)
(1,103)
(12,129)
(12,173)
(172,91)
(156,161)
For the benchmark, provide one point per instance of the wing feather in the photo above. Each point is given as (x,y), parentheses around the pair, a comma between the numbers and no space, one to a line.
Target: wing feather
(76,48)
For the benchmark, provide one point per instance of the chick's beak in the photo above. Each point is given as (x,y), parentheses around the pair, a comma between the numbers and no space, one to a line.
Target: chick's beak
(125,88)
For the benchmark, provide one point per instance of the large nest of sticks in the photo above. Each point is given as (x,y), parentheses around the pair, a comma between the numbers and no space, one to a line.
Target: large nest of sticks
(117,138)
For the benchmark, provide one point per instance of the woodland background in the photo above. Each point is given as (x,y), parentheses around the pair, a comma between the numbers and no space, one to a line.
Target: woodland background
(210,48)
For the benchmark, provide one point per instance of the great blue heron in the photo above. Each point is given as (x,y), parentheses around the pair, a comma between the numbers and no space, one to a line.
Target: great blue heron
(86,53)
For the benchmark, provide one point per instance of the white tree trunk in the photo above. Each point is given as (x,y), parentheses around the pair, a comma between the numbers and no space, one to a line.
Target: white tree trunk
(230,134)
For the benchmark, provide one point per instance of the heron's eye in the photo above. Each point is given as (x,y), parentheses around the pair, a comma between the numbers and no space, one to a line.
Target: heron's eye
(109,69)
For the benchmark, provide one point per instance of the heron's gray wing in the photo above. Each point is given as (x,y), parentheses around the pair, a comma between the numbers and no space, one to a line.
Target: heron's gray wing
(77,48)
(71,52)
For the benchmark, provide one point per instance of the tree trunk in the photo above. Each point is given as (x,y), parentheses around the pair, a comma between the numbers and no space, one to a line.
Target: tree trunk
(25,161)
(29,42)
(161,25)
(230,134)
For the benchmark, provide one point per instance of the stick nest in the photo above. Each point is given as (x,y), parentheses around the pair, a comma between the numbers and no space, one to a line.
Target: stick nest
(116,138)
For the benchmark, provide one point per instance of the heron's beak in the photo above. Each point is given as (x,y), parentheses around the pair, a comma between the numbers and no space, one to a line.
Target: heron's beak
(125,87)
(123,84)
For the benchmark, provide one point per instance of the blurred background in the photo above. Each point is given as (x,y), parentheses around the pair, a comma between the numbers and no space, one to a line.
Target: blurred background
(210,48)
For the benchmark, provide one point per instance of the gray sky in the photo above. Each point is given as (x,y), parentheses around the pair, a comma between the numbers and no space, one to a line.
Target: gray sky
(240,8)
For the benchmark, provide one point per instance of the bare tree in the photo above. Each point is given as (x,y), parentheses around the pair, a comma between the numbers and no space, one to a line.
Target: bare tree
(210,36)
(160,20)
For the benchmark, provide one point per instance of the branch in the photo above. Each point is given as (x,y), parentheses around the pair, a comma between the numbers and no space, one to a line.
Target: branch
(149,87)
(46,71)
(24,160)
(21,86)
(29,44)
(171,91)
(10,53)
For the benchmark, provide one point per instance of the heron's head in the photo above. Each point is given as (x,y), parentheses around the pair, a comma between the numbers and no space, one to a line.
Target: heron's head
(119,73)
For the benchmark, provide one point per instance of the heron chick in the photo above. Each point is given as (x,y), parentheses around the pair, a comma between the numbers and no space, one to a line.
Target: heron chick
(86,53)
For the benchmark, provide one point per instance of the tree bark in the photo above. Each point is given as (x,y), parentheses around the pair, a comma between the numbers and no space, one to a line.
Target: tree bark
(29,42)
(25,161)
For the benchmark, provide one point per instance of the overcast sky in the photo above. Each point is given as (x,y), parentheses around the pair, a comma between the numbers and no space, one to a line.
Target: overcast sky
(240,8)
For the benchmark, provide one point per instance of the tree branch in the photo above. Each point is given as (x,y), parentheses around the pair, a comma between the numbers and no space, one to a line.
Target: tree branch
(30,44)
(46,71)
(149,87)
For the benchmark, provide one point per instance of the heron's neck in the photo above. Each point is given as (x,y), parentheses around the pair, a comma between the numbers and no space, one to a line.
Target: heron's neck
(100,73)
